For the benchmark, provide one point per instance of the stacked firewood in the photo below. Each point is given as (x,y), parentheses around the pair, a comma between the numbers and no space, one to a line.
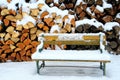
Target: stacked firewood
(19,38)
(19,30)
(98,10)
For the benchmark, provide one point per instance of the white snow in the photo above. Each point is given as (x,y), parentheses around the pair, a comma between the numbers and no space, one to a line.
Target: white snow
(100,8)
(110,25)
(71,55)
(89,21)
(55,28)
(118,15)
(0,21)
(27,71)
(56,1)
(106,5)
(79,1)
(26,19)
(3,3)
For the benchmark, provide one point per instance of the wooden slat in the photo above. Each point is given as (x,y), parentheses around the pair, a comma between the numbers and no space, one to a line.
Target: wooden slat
(72,60)
(87,40)
(75,42)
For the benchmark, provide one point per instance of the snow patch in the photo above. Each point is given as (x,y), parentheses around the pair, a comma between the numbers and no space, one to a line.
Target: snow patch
(89,21)
(3,3)
(118,15)
(106,5)
(100,8)
(56,1)
(110,25)
(54,28)
(79,1)
(26,19)
(0,22)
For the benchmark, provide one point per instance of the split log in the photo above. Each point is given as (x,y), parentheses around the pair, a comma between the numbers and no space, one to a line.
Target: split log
(19,28)
(113,44)
(35,43)
(4,12)
(19,16)
(25,31)
(82,15)
(68,27)
(23,37)
(15,40)
(7,36)
(30,24)
(33,30)
(46,28)
(72,22)
(48,20)
(8,51)
(65,17)
(27,41)
(11,18)
(17,50)
(25,26)
(10,29)
(33,36)
(78,9)
(12,47)
(18,58)
(13,24)
(28,53)
(118,50)
(107,18)
(22,52)
(40,6)
(6,22)
(20,45)
(12,12)
(3,56)
(40,25)
(8,42)
(1,51)
(13,55)
(99,2)
(34,12)
(1,28)
(49,1)
(44,14)
(38,32)
(5,47)
(63,30)
(28,47)
(8,1)
(33,50)
(15,34)
(2,35)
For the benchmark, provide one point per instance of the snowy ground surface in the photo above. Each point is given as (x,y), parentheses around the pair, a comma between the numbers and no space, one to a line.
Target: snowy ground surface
(27,71)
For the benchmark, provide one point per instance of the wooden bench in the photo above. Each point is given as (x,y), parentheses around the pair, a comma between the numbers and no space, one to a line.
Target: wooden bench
(100,55)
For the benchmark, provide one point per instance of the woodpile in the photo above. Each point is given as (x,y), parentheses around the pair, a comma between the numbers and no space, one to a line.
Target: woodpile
(19,36)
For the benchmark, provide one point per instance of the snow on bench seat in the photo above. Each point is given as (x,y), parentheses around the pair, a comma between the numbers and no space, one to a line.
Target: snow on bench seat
(51,55)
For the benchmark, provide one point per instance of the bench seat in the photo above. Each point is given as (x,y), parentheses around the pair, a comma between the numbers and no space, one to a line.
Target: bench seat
(71,55)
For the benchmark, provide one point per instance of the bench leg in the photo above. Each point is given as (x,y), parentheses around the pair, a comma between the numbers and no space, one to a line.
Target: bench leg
(39,66)
(101,65)
(104,69)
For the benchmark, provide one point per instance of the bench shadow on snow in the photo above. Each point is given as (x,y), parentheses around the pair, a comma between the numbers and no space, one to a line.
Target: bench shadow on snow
(71,71)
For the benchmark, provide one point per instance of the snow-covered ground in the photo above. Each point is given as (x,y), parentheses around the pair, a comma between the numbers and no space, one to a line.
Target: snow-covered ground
(27,71)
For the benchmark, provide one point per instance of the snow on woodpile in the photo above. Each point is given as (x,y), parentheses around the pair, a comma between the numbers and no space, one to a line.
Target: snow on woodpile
(24,20)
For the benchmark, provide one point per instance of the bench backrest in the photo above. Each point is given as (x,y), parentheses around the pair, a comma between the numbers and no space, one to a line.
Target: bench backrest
(75,39)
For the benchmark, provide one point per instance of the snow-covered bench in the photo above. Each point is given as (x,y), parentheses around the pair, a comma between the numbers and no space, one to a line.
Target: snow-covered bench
(100,55)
